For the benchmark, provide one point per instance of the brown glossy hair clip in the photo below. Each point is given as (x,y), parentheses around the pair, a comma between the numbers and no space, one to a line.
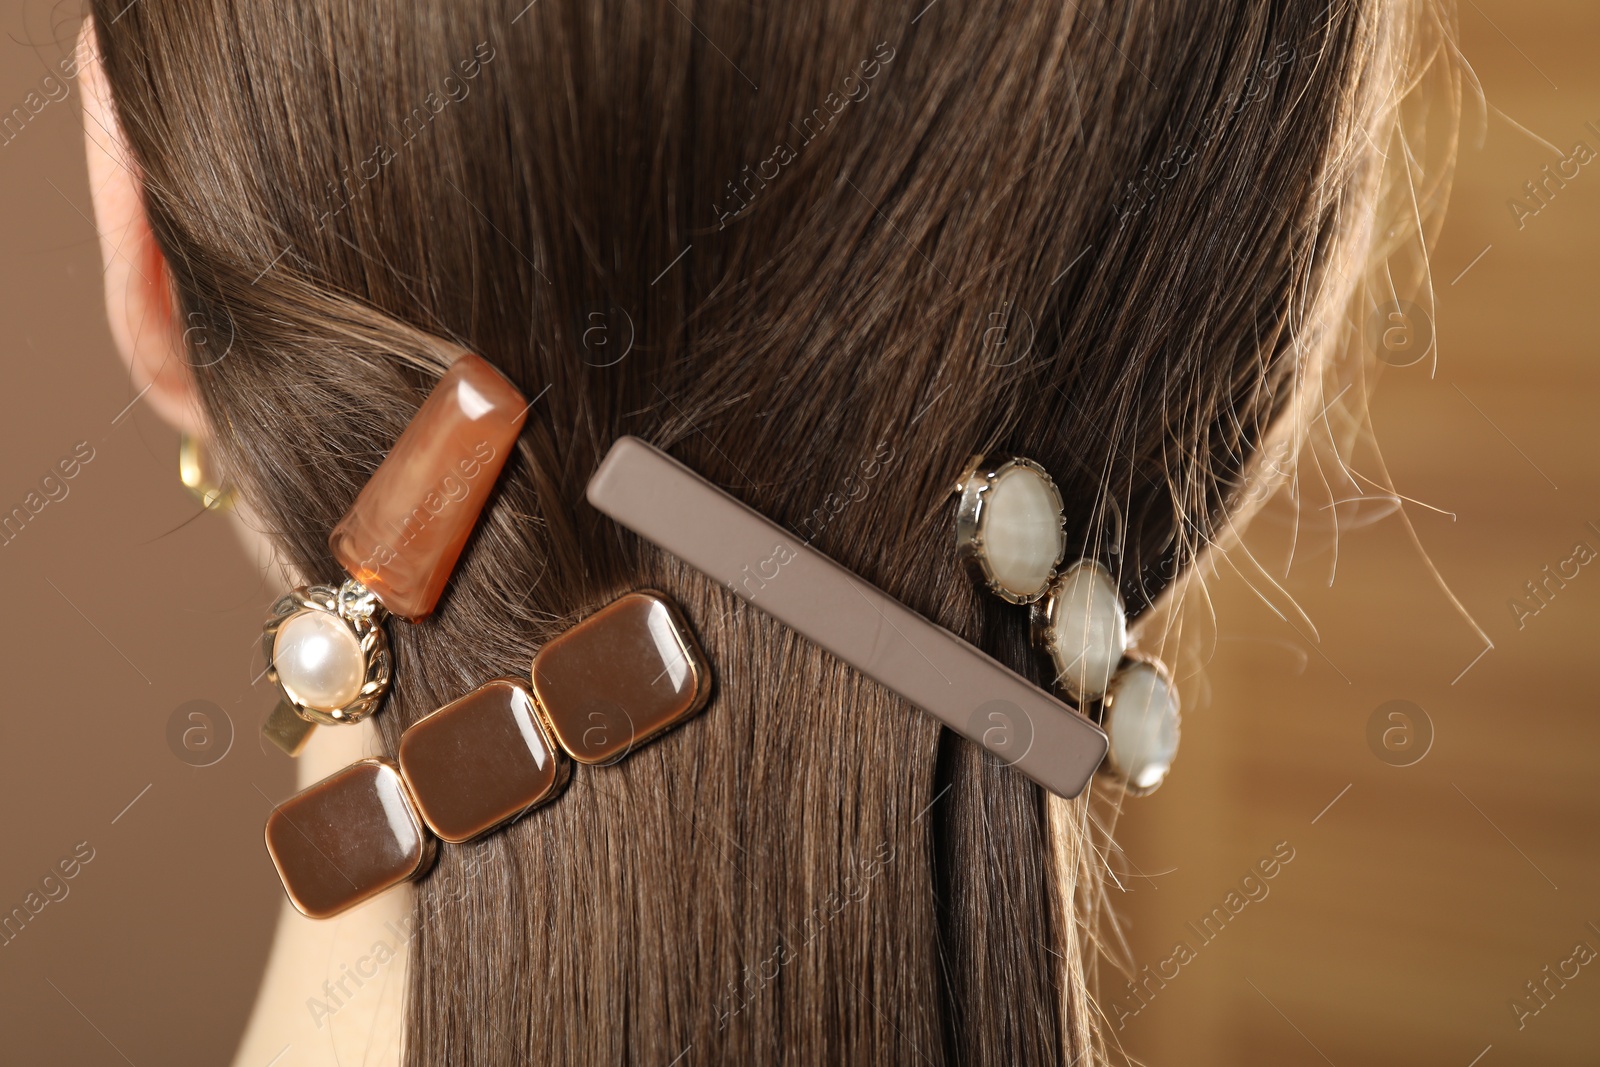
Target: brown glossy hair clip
(600,690)
(325,645)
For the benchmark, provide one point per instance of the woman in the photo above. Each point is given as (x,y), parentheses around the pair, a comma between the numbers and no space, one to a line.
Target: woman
(823,253)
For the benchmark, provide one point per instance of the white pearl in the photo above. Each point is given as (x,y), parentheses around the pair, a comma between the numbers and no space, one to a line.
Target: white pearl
(318,660)
(1142,723)
(1020,530)
(1088,629)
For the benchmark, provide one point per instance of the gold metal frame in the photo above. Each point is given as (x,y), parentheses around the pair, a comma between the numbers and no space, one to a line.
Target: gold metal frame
(286,729)
(975,484)
(369,633)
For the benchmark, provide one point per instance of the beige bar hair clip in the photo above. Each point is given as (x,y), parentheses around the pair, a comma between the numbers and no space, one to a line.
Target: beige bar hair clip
(666,503)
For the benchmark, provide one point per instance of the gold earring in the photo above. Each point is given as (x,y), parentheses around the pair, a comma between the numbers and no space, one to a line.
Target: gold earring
(194,472)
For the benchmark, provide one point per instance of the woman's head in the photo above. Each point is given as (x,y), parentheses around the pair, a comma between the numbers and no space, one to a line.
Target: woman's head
(824,253)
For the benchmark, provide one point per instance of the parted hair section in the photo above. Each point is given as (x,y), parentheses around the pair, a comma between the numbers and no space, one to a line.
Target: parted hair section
(823,252)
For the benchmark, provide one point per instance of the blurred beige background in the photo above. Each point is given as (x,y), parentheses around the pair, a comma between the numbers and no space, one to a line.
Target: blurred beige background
(1421,899)
(124,603)
(1418,903)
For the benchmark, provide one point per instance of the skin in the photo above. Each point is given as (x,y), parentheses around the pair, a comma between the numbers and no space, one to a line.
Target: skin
(286,1026)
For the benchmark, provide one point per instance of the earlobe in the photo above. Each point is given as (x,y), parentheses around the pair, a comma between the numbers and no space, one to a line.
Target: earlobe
(139,304)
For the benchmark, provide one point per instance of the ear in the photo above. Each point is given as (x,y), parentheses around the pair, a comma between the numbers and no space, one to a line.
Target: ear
(138,285)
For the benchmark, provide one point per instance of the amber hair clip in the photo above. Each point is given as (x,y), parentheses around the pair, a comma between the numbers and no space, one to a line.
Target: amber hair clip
(325,645)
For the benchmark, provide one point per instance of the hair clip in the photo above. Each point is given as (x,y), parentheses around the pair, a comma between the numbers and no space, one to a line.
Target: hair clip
(1010,528)
(325,646)
(627,673)
(615,680)
(1081,624)
(348,838)
(666,503)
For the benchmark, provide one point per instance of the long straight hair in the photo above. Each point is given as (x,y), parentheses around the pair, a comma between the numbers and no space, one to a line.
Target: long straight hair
(823,251)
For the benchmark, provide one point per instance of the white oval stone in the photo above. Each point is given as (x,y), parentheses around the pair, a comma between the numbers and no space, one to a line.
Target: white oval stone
(1088,630)
(318,660)
(1142,723)
(1020,530)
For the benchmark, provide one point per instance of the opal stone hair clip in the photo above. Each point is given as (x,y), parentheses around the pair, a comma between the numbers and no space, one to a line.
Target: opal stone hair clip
(1010,528)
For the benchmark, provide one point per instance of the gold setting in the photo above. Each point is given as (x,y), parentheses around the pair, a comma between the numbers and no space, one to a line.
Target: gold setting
(360,612)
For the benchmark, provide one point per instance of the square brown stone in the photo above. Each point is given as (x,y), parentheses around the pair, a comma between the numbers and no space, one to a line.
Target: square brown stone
(620,677)
(348,838)
(481,761)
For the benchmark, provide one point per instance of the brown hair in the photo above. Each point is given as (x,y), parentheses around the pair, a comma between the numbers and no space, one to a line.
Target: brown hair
(823,252)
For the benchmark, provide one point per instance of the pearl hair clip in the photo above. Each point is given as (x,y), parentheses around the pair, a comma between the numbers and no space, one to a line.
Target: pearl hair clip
(1011,531)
